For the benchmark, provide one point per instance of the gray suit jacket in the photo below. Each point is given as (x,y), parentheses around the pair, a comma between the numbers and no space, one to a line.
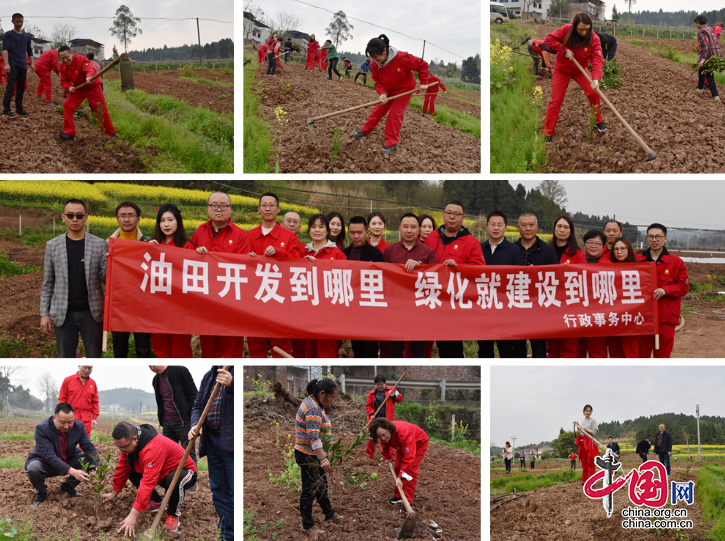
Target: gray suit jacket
(54,293)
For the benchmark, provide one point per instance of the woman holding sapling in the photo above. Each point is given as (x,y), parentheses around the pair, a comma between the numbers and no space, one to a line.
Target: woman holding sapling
(575,41)
(310,456)
(588,450)
(170,231)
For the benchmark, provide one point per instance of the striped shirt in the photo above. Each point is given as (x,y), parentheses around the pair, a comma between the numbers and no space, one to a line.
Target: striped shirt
(707,43)
(309,421)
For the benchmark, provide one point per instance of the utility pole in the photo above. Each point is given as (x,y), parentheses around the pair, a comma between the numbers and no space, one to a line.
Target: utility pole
(198,36)
(513,438)
(423,55)
(699,456)
(688,446)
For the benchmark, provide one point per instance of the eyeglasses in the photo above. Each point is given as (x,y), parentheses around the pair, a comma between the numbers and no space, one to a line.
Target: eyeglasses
(452,214)
(78,216)
(124,448)
(620,250)
(594,244)
(269,206)
(214,206)
(655,237)
(127,216)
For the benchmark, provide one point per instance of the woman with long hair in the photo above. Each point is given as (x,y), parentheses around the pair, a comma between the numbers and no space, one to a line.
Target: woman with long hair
(427,226)
(170,231)
(624,346)
(337,229)
(587,448)
(575,41)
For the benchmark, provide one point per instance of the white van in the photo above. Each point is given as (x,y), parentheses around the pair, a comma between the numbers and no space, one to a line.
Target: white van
(498,13)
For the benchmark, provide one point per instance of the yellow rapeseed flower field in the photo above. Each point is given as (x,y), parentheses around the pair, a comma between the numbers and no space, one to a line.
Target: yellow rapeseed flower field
(49,191)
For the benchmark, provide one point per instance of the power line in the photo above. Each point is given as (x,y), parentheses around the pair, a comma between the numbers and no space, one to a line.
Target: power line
(112,18)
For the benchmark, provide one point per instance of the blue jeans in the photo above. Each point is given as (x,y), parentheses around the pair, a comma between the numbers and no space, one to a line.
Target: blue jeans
(221,482)
(66,336)
(665,459)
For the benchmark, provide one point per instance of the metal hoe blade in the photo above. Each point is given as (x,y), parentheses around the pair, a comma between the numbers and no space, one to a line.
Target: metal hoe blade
(407,529)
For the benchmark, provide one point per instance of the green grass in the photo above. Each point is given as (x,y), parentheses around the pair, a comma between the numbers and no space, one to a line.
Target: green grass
(686,59)
(710,492)
(257,140)
(12,347)
(467,445)
(17,437)
(452,118)
(8,268)
(202,465)
(251,531)
(11,462)
(170,135)
(524,483)
(205,81)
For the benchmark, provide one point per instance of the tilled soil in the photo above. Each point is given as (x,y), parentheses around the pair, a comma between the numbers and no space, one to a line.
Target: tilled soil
(31,144)
(565,512)
(59,516)
(425,146)
(216,98)
(448,494)
(659,102)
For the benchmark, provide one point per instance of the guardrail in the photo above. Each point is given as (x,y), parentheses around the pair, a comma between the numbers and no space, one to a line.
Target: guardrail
(416,384)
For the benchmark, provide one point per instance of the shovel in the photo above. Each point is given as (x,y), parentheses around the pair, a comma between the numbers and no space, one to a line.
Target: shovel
(406,530)
(650,153)
(148,535)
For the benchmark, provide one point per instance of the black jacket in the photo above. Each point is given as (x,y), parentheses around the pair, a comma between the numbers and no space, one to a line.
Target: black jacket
(607,40)
(369,253)
(614,446)
(540,253)
(227,413)
(146,433)
(643,447)
(506,254)
(666,444)
(183,392)
(47,445)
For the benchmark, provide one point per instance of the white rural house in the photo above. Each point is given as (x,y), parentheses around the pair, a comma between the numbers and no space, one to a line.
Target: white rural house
(85,46)
(255,31)
(539,9)
(39,46)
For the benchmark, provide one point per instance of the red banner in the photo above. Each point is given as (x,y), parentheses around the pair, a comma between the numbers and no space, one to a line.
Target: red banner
(160,289)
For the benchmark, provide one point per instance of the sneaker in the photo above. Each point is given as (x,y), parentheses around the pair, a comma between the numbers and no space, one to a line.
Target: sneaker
(49,103)
(314,531)
(172,523)
(153,507)
(113,135)
(38,95)
(601,127)
(72,492)
(328,78)
(23,113)
(66,137)
(717,98)
(359,134)
(336,519)
(388,150)
(699,90)
(193,490)
(547,139)
(339,78)
(10,114)
(395,499)
(40,497)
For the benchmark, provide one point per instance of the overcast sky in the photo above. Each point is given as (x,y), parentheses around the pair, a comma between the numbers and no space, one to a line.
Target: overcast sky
(676,203)
(106,377)
(43,13)
(665,5)
(455,26)
(533,403)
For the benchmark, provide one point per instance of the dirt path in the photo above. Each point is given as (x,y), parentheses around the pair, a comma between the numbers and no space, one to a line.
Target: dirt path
(659,102)
(448,493)
(425,146)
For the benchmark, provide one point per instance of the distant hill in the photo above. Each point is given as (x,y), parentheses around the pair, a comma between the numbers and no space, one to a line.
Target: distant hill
(131,399)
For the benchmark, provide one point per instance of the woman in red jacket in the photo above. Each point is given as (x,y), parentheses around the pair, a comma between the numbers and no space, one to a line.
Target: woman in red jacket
(576,41)
(569,253)
(312,47)
(623,252)
(377,223)
(321,248)
(410,443)
(392,71)
(432,93)
(170,231)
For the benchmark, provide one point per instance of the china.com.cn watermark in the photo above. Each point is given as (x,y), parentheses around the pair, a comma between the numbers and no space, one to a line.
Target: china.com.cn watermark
(649,491)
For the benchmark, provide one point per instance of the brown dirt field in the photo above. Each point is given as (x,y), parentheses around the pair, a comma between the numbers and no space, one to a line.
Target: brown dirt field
(212,75)
(680,125)
(682,45)
(564,512)
(31,144)
(425,146)
(448,493)
(196,94)
(58,517)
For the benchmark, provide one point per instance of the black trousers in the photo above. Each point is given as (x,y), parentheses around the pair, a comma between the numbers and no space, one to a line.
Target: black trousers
(332,66)
(18,76)
(700,82)
(532,464)
(187,479)
(178,431)
(507,349)
(39,471)
(364,76)
(522,465)
(396,350)
(365,349)
(450,349)
(507,461)
(272,67)
(347,71)
(611,52)
(538,348)
(120,344)
(643,456)
(573,465)
(314,486)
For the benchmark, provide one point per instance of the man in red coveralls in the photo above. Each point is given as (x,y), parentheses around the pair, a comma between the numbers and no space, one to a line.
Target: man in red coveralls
(375,399)
(270,239)
(454,245)
(220,234)
(431,93)
(47,62)
(81,392)
(262,53)
(673,283)
(149,459)
(75,69)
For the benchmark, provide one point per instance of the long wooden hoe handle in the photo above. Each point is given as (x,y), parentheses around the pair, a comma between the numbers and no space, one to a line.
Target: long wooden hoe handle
(402,494)
(582,431)
(123,56)
(650,153)
(369,104)
(282,353)
(384,401)
(215,391)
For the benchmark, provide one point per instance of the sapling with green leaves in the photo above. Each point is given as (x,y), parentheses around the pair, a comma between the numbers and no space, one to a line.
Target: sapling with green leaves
(336,454)
(97,474)
(7,529)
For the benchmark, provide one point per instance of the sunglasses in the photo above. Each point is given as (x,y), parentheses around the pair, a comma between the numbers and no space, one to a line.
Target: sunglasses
(78,216)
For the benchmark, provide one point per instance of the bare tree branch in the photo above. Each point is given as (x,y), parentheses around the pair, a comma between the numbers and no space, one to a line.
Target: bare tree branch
(62,34)
(48,389)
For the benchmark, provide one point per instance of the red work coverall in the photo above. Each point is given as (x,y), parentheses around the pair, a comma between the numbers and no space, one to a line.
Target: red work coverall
(230,239)
(3,75)
(410,443)
(565,70)
(47,62)
(389,412)
(83,398)
(587,451)
(393,78)
(312,48)
(75,75)
(285,244)
(431,94)
(262,53)
(566,347)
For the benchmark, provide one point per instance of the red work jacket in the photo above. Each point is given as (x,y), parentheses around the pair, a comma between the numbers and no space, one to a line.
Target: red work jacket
(577,259)
(230,239)
(583,55)
(389,405)
(285,243)
(83,397)
(434,89)
(326,252)
(381,245)
(313,46)
(673,278)
(406,439)
(396,75)
(76,73)
(48,61)
(465,250)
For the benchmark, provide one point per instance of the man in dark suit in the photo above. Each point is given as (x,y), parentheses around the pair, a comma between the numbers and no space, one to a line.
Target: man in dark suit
(56,453)
(663,447)
(643,448)
(498,251)
(613,446)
